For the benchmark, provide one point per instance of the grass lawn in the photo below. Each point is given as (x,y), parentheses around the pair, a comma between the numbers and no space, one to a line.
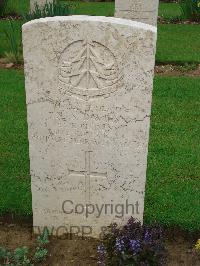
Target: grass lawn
(14,162)
(169,10)
(173,187)
(178,43)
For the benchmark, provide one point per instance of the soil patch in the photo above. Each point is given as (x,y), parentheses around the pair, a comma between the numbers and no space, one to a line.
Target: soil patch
(6,65)
(61,251)
(190,70)
(177,20)
(11,17)
(81,252)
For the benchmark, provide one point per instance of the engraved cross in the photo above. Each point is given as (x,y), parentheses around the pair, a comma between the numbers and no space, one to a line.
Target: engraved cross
(87,174)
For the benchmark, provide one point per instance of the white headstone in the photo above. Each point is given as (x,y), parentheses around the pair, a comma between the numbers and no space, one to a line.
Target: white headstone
(40,3)
(88,86)
(145,11)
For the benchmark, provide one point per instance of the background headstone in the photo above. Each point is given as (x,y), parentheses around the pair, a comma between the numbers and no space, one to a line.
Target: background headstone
(88,90)
(145,11)
(40,3)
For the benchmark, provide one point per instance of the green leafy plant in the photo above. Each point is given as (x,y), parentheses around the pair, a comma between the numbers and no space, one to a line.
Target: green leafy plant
(3,254)
(41,251)
(49,10)
(15,54)
(43,239)
(20,256)
(40,254)
(190,9)
(3,5)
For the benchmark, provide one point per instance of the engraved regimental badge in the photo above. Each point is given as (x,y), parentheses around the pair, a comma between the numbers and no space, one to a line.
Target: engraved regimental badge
(88,69)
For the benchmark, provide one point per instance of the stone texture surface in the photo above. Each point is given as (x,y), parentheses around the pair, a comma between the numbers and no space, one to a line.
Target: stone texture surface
(145,11)
(88,92)
(40,3)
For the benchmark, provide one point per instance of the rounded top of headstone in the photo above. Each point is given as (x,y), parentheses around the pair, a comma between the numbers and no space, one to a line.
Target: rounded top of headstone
(84,18)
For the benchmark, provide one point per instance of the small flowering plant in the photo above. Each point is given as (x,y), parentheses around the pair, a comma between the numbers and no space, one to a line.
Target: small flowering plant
(197,246)
(133,244)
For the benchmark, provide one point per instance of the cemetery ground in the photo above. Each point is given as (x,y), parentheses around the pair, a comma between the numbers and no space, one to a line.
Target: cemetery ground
(173,188)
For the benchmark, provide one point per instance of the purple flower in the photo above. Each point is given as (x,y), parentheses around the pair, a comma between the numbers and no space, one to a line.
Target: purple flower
(102,252)
(134,246)
(120,245)
(147,236)
(101,249)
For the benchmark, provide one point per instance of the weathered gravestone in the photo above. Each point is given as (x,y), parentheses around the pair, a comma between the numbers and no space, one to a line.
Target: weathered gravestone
(88,86)
(39,3)
(145,11)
